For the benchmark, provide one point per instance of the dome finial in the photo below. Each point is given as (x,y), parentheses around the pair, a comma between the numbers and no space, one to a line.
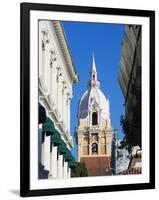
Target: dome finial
(93,74)
(93,64)
(93,70)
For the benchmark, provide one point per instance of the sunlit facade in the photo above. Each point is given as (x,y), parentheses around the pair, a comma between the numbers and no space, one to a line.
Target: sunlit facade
(56,77)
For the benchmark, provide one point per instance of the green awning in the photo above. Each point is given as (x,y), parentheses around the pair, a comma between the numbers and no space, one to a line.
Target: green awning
(56,137)
(68,156)
(42,114)
(62,148)
(48,127)
(72,164)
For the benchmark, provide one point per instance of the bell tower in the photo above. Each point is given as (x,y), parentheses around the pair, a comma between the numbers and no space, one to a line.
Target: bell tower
(94,132)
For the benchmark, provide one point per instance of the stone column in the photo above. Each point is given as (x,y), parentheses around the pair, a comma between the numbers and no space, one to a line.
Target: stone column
(69,172)
(47,152)
(60,166)
(42,148)
(50,172)
(54,161)
(65,169)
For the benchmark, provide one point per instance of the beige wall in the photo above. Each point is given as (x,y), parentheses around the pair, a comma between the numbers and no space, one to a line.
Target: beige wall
(86,139)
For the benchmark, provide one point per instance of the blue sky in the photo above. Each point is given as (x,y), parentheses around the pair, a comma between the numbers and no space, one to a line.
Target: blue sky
(105,41)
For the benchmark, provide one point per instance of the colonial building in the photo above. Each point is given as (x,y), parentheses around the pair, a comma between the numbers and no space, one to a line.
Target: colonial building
(56,77)
(114,151)
(122,158)
(94,132)
(135,164)
(130,83)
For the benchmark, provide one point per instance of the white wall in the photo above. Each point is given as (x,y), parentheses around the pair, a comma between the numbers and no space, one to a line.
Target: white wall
(9,101)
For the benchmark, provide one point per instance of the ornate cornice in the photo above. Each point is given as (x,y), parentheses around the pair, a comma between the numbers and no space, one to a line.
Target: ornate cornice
(65,49)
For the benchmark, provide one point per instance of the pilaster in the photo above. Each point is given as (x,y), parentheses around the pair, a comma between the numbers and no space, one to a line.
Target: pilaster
(60,166)
(54,161)
(65,174)
(47,152)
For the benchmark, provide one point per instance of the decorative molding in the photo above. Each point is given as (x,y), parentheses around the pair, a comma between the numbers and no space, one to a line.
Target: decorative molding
(65,50)
(45,39)
(52,57)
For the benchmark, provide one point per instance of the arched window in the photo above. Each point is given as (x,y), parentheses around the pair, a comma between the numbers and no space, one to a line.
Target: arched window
(94,118)
(94,148)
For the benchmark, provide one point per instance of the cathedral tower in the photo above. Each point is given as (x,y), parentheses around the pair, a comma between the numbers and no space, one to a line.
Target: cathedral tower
(94,132)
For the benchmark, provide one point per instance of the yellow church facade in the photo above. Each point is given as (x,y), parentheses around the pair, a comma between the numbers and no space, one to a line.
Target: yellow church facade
(94,131)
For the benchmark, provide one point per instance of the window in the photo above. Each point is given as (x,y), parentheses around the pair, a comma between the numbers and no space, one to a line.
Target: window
(93,77)
(94,118)
(94,149)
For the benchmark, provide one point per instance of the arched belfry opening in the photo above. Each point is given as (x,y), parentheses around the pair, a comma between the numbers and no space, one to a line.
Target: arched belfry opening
(94,148)
(94,118)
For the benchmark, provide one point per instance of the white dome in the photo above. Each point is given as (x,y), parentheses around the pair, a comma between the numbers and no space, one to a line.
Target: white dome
(93,97)
(94,100)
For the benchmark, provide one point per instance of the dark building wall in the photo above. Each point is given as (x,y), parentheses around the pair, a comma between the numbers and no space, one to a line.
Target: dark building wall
(130,83)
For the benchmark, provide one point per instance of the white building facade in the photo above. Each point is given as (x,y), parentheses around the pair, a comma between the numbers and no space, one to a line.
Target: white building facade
(56,77)
(122,158)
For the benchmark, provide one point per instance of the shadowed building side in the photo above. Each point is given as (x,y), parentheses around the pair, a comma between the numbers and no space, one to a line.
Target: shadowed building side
(130,82)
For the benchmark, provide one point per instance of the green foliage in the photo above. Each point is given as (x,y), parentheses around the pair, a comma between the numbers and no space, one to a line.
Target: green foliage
(79,171)
(125,128)
(124,144)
